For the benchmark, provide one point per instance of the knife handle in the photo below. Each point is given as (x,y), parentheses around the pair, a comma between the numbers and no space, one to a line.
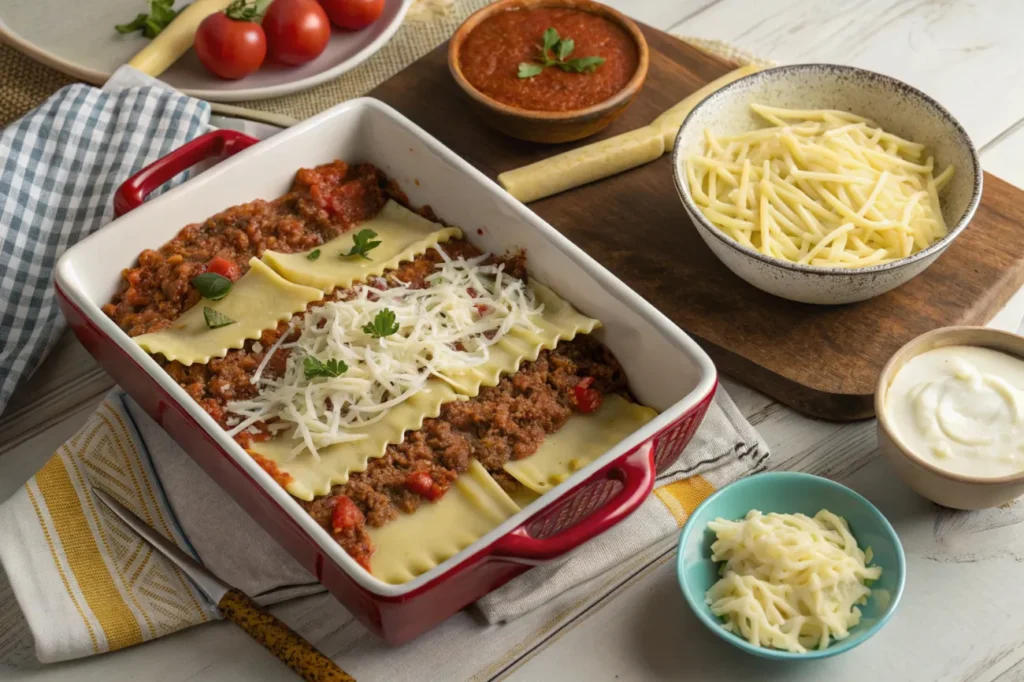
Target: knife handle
(280,640)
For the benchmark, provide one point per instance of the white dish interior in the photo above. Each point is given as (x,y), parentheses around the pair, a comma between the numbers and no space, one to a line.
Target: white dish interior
(666,369)
(895,106)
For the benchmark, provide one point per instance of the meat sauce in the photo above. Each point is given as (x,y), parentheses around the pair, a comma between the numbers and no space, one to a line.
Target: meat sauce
(492,52)
(505,422)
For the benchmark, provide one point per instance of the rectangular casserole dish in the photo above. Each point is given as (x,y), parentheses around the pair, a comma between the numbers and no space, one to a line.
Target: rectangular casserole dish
(666,369)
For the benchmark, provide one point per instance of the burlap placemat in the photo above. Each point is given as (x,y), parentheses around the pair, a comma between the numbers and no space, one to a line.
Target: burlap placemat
(24,83)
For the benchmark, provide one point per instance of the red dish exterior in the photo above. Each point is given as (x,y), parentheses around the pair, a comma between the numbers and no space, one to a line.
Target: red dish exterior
(398,620)
(589,508)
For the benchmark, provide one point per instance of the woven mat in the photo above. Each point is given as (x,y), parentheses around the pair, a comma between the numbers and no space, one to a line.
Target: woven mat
(24,83)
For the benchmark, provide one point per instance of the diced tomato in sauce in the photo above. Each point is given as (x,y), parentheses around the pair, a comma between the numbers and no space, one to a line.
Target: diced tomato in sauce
(346,515)
(224,268)
(423,484)
(587,399)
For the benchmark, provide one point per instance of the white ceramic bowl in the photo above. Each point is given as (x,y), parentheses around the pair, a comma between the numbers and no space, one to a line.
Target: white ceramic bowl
(949,489)
(894,105)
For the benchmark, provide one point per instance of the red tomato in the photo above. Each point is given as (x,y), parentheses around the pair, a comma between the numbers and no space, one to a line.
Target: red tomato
(297,30)
(346,515)
(587,399)
(224,268)
(230,48)
(353,15)
(422,483)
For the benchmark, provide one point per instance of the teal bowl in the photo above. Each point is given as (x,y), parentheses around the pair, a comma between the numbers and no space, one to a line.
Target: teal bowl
(792,493)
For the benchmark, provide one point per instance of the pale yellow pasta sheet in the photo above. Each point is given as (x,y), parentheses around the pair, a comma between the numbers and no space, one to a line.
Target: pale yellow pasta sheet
(415,543)
(312,476)
(258,301)
(403,235)
(582,439)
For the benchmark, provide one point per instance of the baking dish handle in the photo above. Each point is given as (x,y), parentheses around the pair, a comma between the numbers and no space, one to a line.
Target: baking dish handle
(635,471)
(222,143)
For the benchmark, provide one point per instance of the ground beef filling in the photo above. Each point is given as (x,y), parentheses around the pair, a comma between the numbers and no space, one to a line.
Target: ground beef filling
(323,203)
(222,380)
(506,422)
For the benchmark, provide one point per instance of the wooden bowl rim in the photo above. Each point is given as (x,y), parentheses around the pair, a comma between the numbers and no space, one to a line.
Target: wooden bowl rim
(981,337)
(623,96)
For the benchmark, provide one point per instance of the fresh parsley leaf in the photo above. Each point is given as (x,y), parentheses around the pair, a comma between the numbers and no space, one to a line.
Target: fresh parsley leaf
(528,70)
(383,324)
(242,10)
(560,49)
(313,255)
(550,38)
(160,15)
(215,319)
(363,244)
(314,368)
(582,64)
(564,48)
(212,286)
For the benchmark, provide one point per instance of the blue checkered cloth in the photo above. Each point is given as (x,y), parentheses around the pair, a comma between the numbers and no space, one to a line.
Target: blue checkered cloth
(59,168)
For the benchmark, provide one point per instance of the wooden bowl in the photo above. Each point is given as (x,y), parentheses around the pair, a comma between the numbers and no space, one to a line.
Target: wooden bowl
(943,487)
(550,127)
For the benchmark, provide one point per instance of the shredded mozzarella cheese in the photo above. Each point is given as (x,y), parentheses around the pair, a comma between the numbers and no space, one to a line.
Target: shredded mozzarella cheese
(789,581)
(822,188)
(444,328)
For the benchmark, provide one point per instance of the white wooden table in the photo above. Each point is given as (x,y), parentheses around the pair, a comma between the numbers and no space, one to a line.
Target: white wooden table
(962,616)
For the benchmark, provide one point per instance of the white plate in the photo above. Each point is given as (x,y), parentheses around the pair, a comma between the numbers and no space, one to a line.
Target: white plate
(84,44)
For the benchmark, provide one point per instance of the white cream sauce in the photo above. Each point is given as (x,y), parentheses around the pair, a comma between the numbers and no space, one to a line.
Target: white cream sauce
(961,408)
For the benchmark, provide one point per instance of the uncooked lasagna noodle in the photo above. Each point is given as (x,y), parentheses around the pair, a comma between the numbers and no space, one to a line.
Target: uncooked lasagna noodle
(312,476)
(403,235)
(582,439)
(258,301)
(414,543)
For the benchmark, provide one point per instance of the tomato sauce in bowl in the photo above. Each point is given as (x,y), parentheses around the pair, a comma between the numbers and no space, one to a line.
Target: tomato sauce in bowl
(492,52)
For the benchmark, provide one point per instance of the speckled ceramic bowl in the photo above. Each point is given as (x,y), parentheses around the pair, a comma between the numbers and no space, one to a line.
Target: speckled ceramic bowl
(897,107)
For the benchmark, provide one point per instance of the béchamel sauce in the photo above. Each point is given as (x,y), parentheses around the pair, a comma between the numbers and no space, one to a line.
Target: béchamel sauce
(961,408)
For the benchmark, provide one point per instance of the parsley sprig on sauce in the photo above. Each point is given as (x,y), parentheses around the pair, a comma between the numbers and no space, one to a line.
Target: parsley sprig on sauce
(363,244)
(559,50)
(383,324)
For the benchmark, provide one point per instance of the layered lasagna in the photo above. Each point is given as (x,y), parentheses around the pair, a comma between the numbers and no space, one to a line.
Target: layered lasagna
(411,391)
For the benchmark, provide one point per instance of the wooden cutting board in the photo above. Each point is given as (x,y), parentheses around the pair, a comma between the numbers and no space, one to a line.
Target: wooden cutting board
(821,360)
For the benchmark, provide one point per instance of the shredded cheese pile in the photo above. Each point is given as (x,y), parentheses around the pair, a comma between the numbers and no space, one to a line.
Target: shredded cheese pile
(789,581)
(820,187)
(448,326)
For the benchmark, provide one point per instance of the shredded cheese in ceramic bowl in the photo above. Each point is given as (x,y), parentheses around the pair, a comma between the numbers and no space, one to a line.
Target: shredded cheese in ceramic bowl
(789,581)
(359,357)
(821,188)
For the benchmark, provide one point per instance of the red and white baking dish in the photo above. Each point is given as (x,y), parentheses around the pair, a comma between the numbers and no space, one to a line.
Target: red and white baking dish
(665,367)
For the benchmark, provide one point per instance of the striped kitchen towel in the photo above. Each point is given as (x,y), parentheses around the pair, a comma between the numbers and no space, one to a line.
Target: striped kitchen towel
(59,167)
(85,584)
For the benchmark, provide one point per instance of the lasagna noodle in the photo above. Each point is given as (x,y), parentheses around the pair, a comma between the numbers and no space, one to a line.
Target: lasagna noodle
(415,543)
(403,236)
(257,301)
(312,476)
(584,438)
